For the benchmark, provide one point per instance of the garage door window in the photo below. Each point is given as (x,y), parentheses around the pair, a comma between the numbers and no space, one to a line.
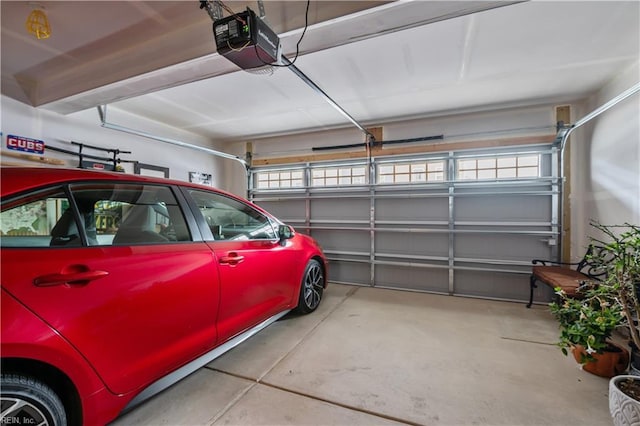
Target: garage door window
(509,167)
(339,176)
(412,172)
(280,179)
(404,171)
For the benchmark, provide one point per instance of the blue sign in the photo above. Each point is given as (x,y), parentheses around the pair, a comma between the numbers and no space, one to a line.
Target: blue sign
(19,143)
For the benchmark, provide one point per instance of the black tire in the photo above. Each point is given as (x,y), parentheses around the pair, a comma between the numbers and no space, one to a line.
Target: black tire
(311,288)
(29,401)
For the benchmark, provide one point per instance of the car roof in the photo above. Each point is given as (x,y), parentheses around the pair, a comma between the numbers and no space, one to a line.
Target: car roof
(18,179)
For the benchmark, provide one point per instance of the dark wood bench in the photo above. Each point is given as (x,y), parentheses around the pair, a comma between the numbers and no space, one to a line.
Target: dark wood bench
(560,274)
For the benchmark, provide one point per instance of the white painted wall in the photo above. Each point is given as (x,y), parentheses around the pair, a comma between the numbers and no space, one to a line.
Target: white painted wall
(59,130)
(607,188)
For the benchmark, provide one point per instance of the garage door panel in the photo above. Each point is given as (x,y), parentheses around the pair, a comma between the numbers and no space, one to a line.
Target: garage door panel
(496,285)
(413,243)
(435,222)
(340,209)
(411,209)
(507,247)
(343,240)
(502,208)
(349,272)
(412,278)
(285,210)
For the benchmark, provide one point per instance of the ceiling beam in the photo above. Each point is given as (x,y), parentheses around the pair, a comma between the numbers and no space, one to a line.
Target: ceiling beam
(373,22)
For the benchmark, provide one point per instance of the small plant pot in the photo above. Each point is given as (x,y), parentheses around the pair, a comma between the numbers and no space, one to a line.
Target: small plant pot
(625,410)
(607,364)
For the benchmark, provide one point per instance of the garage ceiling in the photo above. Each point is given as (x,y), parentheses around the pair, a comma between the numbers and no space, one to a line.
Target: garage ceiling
(381,61)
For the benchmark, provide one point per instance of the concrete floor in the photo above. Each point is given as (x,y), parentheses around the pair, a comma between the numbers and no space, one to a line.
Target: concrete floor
(376,357)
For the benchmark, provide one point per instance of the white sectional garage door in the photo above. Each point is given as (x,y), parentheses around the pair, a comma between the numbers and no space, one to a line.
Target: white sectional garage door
(461,223)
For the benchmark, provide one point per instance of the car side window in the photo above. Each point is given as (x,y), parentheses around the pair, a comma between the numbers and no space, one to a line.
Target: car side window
(230,219)
(39,220)
(123,214)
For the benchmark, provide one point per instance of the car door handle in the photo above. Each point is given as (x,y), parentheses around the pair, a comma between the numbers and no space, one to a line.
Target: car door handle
(231,259)
(75,278)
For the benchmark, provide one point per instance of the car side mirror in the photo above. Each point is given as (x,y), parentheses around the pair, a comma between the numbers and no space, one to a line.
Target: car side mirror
(285,232)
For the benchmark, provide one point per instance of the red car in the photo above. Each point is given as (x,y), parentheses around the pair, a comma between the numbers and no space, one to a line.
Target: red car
(115,286)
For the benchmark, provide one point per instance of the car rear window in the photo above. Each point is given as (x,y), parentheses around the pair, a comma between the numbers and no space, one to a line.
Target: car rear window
(99,214)
(30,221)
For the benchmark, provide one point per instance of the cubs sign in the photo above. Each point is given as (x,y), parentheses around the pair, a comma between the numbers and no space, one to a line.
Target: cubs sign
(19,143)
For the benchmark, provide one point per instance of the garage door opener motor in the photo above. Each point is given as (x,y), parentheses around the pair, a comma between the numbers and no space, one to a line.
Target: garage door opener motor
(246,40)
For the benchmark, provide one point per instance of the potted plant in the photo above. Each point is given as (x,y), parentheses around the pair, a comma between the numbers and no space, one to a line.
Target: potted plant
(619,257)
(586,325)
(624,400)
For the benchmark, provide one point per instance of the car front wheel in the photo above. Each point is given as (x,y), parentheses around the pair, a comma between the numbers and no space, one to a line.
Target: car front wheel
(311,288)
(27,401)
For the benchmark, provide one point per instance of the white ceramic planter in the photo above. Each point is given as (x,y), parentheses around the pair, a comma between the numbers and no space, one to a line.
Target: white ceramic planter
(625,411)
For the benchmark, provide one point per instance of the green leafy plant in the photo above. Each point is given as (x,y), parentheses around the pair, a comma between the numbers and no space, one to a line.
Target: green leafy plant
(588,320)
(601,306)
(619,256)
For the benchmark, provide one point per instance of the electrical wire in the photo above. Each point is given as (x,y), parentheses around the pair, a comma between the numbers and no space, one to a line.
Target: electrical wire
(225,7)
(236,49)
(231,12)
(306,24)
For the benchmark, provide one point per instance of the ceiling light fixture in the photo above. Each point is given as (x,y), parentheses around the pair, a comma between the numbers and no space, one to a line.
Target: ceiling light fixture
(37,22)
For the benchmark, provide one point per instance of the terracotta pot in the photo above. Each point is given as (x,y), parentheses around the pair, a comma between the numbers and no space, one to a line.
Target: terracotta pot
(607,364)
(625,411)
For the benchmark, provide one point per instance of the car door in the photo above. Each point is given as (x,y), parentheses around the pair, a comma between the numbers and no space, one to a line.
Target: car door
(256,275)
(117,271)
